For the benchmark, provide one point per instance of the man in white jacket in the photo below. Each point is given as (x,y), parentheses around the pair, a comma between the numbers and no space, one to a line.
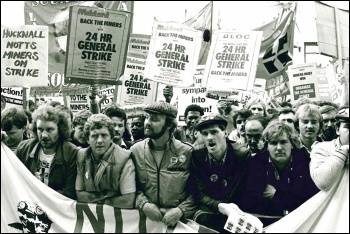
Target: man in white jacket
(329,160)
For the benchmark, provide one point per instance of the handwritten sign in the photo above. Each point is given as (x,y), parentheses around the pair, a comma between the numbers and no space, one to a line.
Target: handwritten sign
(24,56)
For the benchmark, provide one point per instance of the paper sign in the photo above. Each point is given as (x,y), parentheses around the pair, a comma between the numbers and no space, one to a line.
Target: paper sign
(302,80)
(97,45)
(173,54)
(246,223)
(232,61)
(24,56)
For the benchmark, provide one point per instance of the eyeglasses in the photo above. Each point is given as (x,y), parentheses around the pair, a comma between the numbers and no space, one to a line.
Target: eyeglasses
(329,120)
(240,121)
(256,108)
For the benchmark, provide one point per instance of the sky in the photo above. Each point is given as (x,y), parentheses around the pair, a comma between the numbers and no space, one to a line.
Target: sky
(233,14)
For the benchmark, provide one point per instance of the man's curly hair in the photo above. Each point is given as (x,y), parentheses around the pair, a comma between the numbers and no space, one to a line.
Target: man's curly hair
(50,113)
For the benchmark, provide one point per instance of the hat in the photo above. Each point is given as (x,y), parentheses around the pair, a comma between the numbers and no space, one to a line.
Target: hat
(162,107)
(211,118)
(343,114)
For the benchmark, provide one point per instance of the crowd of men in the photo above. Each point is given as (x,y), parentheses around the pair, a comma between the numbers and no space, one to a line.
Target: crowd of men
(265,162)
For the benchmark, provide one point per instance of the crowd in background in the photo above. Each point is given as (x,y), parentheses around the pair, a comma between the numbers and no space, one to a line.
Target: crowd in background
(258,159)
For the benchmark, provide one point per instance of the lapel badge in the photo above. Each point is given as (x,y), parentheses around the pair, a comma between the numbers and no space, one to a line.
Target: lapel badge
(182,158)
(173,159)
(214,177)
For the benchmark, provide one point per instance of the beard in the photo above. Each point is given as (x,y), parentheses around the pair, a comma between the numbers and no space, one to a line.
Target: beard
(329,134)
(153,135)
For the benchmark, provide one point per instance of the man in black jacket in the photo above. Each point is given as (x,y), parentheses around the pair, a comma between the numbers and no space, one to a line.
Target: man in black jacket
(217,171)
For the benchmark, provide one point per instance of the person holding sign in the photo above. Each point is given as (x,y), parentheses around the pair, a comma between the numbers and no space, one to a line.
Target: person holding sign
(162,168)
(218,170)
(106,173)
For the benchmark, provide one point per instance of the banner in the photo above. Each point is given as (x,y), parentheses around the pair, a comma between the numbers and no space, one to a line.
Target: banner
(97,45)
(202,21)
(55,15)
(31,206)
(78,102)
(276,53)
(13,96)
(232,60)
(24,56)
(173,54)
(326,212)
(277,49)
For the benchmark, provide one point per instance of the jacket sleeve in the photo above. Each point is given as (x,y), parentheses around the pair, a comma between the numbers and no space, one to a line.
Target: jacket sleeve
(188,206)
(253,200)
(71,175)
(326,167)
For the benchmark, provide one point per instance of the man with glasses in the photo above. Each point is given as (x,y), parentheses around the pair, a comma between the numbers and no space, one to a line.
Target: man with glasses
(287,116)
(328,113)
(218,170)
(186,133)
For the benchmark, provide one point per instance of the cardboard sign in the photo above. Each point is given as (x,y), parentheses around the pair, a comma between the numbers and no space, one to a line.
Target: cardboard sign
(173,54)
(97,45)
(24,56)
(135,89)
(232,61)
(302,80)
(78,102)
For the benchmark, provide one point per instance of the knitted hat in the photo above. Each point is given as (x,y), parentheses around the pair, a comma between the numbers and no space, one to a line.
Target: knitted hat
(211,118)
(162,107)
(343,114)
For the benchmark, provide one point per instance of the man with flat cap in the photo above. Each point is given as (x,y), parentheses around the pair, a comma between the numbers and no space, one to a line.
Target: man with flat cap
(218,170)
(330,159)
(162,167)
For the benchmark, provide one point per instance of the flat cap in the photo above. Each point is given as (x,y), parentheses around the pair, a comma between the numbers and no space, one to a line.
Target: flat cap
(162,107)
(343,114)
(211,118)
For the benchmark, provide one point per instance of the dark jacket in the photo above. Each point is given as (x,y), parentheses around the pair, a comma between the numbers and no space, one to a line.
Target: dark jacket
(213,184)
(64,169)
(293,187)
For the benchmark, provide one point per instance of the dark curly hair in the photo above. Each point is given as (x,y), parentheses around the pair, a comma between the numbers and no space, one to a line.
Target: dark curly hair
(194,107)
(50,113)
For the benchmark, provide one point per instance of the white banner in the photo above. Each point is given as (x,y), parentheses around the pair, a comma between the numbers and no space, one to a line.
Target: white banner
(173,54)
(24,56)
(29,206)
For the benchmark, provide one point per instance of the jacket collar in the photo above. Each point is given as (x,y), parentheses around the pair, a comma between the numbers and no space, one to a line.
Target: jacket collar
(58,159)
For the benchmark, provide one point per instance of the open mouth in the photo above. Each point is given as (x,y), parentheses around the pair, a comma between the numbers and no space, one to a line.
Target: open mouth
(211,144)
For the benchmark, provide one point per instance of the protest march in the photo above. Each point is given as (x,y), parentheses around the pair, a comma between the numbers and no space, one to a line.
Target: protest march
(204,125)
